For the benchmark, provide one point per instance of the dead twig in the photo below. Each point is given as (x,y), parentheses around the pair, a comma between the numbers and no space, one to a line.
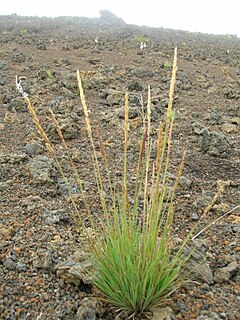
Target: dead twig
(215,221)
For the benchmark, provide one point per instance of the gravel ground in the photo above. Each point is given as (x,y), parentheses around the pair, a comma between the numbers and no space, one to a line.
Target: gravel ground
(41,250)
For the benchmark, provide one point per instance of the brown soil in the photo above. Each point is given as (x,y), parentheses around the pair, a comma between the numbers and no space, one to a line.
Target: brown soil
(207,102)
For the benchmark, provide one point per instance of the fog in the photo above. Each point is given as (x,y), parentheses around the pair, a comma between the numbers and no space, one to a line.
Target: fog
(207,16)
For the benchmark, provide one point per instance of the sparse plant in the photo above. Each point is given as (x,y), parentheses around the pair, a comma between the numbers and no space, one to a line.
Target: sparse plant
(2,53)
(141,38)
(133,253)
(49,74)
(23,32)
(166,65)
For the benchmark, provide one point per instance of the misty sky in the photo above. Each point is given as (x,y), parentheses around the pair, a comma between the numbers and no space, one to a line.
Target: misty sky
(207,16)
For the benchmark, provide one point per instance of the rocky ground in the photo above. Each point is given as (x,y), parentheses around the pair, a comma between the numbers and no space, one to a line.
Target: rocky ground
(41,255)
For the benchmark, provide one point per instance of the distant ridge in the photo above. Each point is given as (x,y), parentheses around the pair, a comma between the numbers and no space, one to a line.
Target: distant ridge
(107,22)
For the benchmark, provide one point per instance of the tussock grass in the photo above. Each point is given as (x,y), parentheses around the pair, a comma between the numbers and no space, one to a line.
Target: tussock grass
(134,255)
(135,264)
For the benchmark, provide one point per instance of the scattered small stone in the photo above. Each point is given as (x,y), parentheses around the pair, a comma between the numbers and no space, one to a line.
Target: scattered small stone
(5,185)
(64,188)
(13,158)
(203,200)
(226,273)
(215,143)
(21,267)
(198,263)
(41,46)
(185,182)
(232,93)
(77,269)
(3,80)
(221,208)
(4,232)
(69,125)
(19,57)
(40,169)
(54,216)
(198,127)
(42,259)
(32,203)
(164,103)
(11,116)
(9,264)
(205,287)
(233,244)
(162,313)
(210,316)
(18,104)
(135,86)
(33,149)
(87,310)
(215,117)
(76,155)
(3,65)
(115,99)
(120,112)
(234,111)
(195,216)
(230,128)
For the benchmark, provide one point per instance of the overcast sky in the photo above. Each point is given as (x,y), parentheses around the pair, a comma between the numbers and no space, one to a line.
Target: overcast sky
(207,16)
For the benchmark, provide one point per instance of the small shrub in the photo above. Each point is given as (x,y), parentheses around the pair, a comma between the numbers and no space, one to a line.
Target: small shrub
(23,32)
(49,74)
(141,38)
(166,65)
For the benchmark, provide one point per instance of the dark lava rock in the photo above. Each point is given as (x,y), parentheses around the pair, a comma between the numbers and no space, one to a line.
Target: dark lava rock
(215,117)
(69,126)
(54,216)
(3,65)
(135,86)
(234,110)
(9,264)
(232,93)
(3,80)
(197,264)
(12,158)
(13,265)
(87,310)
(226,273)
(19,57)
(18,104)
(41,46)
(77,270)
(42,259)
(71,186)
(40,169)
(163,313)
(215,143)
(33,149)
(120,112)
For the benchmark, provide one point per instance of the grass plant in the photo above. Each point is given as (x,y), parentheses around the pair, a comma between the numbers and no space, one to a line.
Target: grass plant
(133,252)
(49,74)
(141,38)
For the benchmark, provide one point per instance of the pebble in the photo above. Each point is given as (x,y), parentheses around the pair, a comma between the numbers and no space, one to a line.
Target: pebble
(87,310)
(195,216)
